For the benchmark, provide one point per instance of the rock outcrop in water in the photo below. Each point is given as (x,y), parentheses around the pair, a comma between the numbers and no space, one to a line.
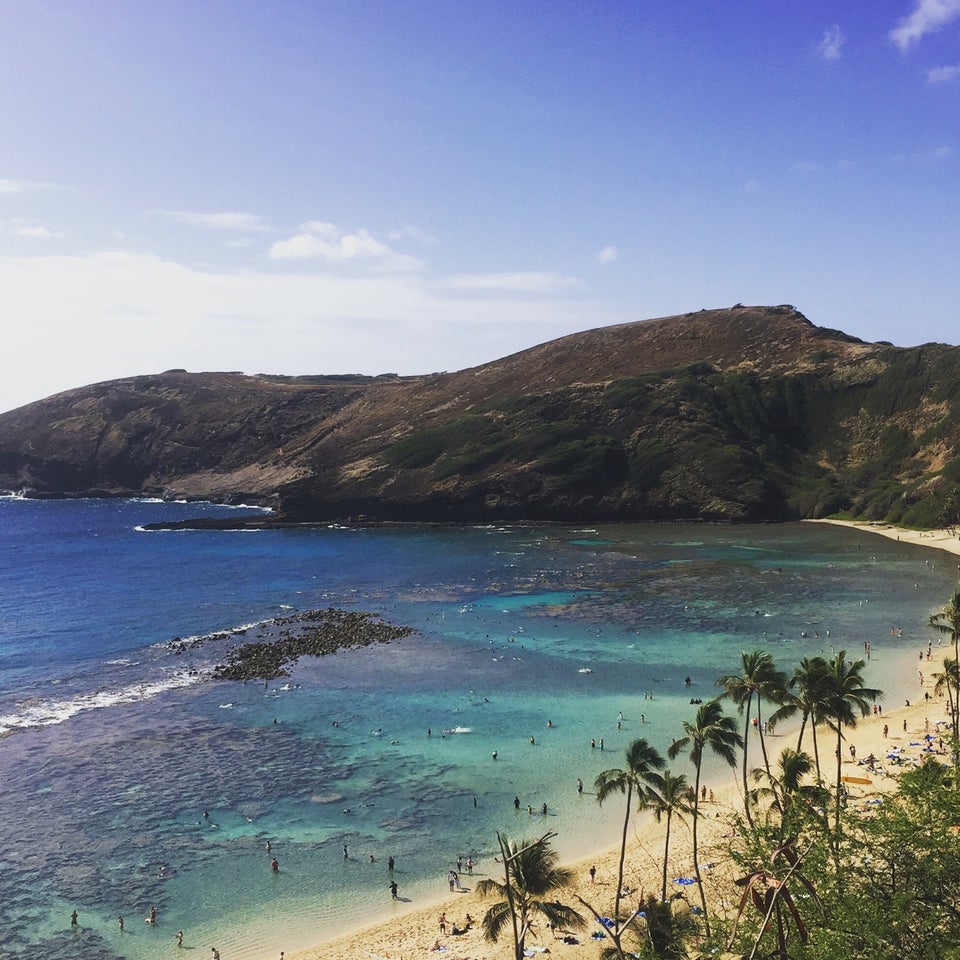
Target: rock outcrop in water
(746,413)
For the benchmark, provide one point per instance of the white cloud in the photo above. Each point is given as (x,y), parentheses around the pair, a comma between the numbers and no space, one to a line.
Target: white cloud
(32,231)
(517,282)
(926,157)
(940,75)
(927,17)
(117,314)
(327,243)
(38,233)
(23,186)
(608,255)
(806,166)
(830,47)
(213,221)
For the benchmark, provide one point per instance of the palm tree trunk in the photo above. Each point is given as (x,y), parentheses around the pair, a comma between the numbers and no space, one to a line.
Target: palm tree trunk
(696,852)
(746,741)
(763,743)
(623,853)
(803,726)
(956,713)
(666,850)
(816,748)
(517,940)
(839,778)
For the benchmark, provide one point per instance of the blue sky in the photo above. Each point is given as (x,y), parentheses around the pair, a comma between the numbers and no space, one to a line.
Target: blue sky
(413,186)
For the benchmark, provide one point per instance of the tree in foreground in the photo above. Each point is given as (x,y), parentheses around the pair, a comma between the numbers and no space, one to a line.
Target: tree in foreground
(658,929)
(531,881)
(642,760)
(710,730)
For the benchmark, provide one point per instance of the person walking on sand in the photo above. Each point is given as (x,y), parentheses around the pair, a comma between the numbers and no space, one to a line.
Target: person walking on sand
(443,924)
(215,952)
(179,938)
(593,874)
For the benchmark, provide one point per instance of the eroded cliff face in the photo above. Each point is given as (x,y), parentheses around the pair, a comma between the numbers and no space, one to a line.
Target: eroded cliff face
(747,413)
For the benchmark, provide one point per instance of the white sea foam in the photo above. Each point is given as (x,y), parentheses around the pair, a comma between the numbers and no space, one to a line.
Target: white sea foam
(45,713)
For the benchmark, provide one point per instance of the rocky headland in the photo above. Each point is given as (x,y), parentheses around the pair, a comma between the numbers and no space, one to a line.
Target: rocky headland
(735,414)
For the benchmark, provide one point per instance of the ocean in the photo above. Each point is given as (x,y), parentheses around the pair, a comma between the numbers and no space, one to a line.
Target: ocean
(131,779)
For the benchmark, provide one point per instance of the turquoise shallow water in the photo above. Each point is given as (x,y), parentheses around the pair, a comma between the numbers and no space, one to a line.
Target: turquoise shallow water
(115,753)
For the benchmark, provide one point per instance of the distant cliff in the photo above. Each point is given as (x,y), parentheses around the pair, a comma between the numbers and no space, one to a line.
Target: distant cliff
(747,413)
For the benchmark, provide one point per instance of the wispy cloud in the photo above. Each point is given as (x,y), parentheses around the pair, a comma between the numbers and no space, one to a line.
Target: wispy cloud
(32,231)
(327,243)
(806,166)
(38,233)
(608,255)
(514,282)
(23,186)
(214,221)
(929,157)
(262,321)
(927,17)
(940,75)
(831,46)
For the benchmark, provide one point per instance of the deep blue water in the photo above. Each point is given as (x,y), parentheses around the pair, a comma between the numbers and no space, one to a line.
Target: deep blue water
(116,746)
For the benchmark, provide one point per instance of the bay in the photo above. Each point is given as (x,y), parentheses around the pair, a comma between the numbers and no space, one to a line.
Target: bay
(130,780)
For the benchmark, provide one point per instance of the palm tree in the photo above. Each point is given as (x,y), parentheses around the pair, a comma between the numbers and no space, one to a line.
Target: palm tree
(531,873)
(642,760)
(788,786)
(947,621)
(712,731)
(759,678)
(949,681)
(806,694)
(847,698)
(671,795)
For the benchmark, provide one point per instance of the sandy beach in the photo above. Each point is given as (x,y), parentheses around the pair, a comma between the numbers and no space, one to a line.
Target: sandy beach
(413,933)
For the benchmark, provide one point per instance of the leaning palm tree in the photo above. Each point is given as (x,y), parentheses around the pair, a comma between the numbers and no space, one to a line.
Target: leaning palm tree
(712,731)
(641,761)
(847,698)
(759,678)
(531,875)
(671,795)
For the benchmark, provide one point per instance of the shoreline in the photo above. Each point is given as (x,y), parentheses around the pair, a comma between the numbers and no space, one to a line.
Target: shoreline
(413,932)
(934,539)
